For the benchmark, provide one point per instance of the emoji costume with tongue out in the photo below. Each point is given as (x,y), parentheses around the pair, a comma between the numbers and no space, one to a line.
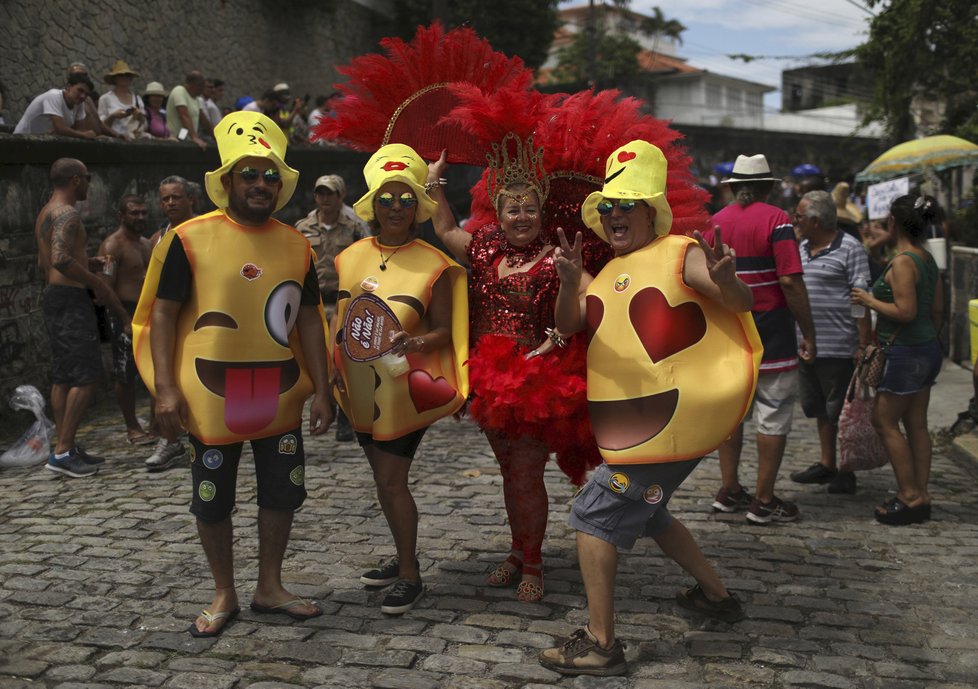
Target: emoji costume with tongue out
(237,358)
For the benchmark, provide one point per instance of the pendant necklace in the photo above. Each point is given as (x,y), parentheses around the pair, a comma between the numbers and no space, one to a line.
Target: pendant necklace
(384,261)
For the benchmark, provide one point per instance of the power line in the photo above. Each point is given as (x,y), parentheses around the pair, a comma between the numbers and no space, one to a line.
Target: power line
(862,7)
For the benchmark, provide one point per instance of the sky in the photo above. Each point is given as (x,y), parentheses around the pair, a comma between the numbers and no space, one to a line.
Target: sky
(716,28)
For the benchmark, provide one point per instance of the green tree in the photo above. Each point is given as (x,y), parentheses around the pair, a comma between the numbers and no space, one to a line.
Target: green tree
(615,58)
(925,49)
(514,27)
(658,24)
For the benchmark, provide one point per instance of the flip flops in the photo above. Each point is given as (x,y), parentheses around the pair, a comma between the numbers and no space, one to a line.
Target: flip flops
(140,437)
(286,609)
(211,619)
(501,577)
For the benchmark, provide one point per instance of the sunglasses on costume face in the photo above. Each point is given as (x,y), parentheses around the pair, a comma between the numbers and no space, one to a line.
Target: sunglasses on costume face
(251,174)
(407,199)
(624,205)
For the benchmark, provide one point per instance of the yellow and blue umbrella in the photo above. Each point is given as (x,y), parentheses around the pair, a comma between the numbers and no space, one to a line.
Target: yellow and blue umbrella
(932,152)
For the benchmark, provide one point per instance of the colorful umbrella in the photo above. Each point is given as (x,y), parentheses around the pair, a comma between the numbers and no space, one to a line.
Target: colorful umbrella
(936,152)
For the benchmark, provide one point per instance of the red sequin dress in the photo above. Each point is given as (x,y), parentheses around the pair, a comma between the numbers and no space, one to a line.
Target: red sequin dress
(544,397)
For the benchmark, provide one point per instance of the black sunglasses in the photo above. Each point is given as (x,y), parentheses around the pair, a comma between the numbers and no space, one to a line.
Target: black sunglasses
(251,174)
(624,205)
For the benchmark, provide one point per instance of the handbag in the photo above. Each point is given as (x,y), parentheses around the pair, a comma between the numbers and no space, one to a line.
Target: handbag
(859,445)
(873,363)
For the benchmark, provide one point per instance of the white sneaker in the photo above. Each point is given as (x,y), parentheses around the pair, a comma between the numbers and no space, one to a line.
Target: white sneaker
(166,455)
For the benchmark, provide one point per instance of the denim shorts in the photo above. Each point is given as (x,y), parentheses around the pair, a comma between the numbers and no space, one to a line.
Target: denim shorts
(624,501)
(911,368)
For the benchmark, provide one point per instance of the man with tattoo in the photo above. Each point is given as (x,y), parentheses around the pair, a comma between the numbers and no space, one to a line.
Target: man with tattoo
(69,314)
(125,254)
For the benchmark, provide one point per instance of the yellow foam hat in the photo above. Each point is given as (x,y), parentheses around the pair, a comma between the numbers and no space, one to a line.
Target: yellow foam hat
(396,163)
(245,134)
(635,171)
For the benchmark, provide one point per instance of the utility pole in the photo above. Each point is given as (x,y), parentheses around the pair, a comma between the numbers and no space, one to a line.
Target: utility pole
(592,47)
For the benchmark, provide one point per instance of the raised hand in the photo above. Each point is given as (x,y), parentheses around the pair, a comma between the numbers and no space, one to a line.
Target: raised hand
(568,260)
(438,168)
(721,260)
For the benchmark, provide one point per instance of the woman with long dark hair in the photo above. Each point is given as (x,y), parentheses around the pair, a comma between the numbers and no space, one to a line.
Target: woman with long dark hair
(908,301)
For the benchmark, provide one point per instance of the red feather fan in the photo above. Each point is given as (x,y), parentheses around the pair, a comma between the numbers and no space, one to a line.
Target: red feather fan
(403,95)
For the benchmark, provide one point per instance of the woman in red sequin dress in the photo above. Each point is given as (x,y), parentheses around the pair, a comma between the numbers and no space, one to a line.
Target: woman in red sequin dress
(528,382)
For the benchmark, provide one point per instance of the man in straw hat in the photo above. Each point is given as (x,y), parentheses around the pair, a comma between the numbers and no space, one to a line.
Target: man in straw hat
(763,238)
(665,314)
(230,338)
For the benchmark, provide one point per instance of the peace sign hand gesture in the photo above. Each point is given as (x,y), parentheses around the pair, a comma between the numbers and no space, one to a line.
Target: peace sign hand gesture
(568,260)
(721,260)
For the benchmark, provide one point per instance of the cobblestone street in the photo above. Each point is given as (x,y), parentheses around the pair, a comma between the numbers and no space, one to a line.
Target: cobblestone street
(100,578)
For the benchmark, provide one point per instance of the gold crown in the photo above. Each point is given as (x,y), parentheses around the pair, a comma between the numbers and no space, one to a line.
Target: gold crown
(522,165)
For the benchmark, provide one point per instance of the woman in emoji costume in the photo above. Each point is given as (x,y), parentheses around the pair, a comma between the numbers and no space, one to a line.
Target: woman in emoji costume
(229,335)
(401,342)
(672,363)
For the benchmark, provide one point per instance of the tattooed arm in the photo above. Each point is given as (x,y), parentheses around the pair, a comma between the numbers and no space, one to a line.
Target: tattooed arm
(66,235)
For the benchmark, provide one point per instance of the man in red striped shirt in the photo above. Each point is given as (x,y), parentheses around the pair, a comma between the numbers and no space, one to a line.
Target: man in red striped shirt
(763,239)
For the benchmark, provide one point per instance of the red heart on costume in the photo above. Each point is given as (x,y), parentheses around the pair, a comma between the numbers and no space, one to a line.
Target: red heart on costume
(625,156)
(664,329)
(594,314)
(428,393)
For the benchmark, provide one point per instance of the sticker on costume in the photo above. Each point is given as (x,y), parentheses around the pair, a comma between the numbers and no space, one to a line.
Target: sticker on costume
(287,445)
(618,482)
(193,453)
(249,271)
(622,282)
(653,494)
(297,475)
(212,459)
(206,491)
(369,284)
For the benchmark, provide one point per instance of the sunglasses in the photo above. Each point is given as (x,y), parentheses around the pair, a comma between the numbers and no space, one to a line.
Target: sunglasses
(407,199)
(625,206)
(251,174)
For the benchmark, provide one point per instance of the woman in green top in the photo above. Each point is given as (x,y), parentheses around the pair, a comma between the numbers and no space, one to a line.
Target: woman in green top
(908,300)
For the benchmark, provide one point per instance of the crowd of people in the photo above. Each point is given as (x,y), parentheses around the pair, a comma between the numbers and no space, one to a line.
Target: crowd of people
(238,324)
(185,112)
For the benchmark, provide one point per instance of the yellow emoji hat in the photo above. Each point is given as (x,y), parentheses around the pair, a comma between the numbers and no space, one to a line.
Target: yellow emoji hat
(636,171)
(245,134)
(396,163)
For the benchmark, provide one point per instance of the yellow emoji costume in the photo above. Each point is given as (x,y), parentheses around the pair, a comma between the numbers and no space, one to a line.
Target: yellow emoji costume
(237,358)
(387,403)
(671,372)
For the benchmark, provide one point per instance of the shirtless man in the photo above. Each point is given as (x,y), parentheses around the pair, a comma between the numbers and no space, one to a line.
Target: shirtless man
(68,312)
(127,251)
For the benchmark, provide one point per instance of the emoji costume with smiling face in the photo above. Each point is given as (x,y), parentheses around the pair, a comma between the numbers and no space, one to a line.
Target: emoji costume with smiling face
(671,372)
(237,358)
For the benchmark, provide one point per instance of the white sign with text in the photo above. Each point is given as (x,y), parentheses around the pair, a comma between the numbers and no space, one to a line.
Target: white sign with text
(880,196)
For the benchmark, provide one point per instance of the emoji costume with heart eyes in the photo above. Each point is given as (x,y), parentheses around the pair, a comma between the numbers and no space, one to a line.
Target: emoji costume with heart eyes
(237,357)
(377,400)
(671,372)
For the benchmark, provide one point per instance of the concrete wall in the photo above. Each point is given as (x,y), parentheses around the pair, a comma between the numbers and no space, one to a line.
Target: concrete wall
(117,169)
(250,44)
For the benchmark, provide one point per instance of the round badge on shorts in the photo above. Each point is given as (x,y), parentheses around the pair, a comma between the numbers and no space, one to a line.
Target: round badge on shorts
(653,494)
(297,475)
(212,459)
(618,482)
(206,491)
(287,445)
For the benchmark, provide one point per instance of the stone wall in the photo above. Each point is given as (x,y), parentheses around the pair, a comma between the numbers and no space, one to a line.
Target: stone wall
(117,169)
(250,44)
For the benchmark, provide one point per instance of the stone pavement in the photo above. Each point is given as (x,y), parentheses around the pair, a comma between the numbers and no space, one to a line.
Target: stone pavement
(100,578)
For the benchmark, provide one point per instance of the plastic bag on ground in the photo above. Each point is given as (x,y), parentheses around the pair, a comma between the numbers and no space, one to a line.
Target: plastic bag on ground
(33,446)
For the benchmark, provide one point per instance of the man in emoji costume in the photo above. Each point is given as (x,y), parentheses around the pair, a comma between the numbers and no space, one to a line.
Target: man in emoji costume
(402,338)
(672,363)
(229,336)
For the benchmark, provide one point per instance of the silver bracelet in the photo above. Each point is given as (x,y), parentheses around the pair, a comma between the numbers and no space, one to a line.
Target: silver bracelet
(556,337)
(440,182)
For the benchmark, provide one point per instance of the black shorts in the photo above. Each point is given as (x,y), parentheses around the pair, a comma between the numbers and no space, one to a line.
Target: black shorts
(405,446)
(123,363)
(822,386)
(279,470)
(69,315)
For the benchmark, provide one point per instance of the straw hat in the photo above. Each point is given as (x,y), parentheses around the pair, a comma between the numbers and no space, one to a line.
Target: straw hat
(246,134)
(396,163)
(751,169)
(154,88)
(118,69)
(635,171)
